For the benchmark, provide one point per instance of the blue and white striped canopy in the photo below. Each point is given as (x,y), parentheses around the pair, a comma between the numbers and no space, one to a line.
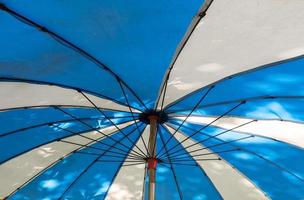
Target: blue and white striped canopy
(78,78)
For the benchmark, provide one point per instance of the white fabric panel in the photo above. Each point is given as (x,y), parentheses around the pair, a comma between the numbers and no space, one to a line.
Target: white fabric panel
(235,36)
(129,182)
(231,184)
(17,94)
(191,27)
(289,132)
(17,171)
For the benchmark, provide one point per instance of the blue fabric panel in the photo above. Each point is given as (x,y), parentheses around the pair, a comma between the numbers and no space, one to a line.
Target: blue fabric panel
(279,109)
(54,181)
(283,79)
(34,55)
(187,177)
(23,141)
(264,170)
(22,118)
(192,181)
(94,184)
(136,39)
(115,117)
(93,112)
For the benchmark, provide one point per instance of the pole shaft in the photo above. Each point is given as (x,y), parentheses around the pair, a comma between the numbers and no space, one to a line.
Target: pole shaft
(151,149)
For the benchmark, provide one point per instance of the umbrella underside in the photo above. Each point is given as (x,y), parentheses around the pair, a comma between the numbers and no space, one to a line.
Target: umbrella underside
(195,99)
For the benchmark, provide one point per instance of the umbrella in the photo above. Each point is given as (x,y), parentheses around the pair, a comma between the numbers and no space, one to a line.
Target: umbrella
(163,99)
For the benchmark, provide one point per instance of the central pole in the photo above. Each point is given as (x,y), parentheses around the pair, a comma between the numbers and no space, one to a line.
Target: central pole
(152,162)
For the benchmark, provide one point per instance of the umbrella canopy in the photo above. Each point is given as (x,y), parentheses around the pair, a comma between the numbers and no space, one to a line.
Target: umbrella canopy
(187,99)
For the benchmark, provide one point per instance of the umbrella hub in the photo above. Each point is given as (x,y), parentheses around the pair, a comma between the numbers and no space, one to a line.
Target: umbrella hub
(160,116)
(152,163)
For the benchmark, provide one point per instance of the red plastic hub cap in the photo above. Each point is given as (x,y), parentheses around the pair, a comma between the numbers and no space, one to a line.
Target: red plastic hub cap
(152,162)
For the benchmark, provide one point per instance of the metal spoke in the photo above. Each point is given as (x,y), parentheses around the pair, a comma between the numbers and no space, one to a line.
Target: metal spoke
(97,141)
(274,164)
(135,121)
(139,163)
(191,160)
(101,112)
(213,136)
(60,105)
(177,158)
(115,161)
(183,164)
(44,124)
(220,144)
(257,98)
(89,166)
(96,148)
(189,114)
(86,124)
(218,118)
(171,166)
